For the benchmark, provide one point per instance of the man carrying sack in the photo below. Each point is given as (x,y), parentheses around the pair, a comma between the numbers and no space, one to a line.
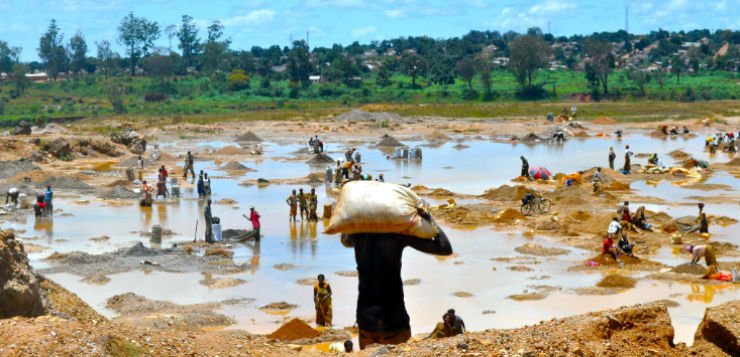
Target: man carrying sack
(379,220)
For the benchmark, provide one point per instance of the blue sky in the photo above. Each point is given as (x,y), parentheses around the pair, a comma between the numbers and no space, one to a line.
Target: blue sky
(264,22)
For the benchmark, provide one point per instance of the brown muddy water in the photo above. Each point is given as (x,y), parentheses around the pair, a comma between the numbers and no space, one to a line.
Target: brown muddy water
(482,165)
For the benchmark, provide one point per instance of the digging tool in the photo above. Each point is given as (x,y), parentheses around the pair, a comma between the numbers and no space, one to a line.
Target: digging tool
(195,234)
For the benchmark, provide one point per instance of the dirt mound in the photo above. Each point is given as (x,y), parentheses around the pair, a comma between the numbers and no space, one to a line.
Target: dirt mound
(438,136)
(389,142)
(604,121)
(538,250)
(688,268)
(509,215)
(231,150)
(118,192)
(581,134)
(138,250)
(19,292)
(607,259)
(358,115)
(617,186)
(66,182)
(580,215)
(506,193)
(249,136)
(321,159)
(679,155)
(234,166)
(734,162)
(617,281)
(531,138)
(294,329)
(10,169)
(436,192)
(720,328)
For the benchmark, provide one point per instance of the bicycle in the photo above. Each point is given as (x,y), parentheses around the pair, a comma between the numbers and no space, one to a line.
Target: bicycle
(534,204)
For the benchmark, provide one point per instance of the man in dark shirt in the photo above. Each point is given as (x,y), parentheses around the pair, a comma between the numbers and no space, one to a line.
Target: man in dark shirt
(381,311)
(525,167)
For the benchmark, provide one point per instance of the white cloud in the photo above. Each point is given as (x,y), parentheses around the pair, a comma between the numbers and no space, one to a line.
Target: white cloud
(363,31)
(336,3)
(677,4)
(721,5)
(395,14)
(253,18)
(551,7)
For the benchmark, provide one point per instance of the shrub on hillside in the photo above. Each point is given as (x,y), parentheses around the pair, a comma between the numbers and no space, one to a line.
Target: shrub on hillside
(154,97)
(238,80)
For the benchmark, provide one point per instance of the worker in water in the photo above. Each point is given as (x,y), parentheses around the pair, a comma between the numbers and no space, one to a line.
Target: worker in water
(446,328)
(612,156)
(162,187)
(653,159)
(348,155)
(313,204)
(254,217)
(208,218)
(358,157)
(201,185)
(188,165)
(292,202)
(685,130)
(702,251)
(147,201)
(627,159)
(39,208)
(702,220)
(303,204)
(206,184)
(380,178)
(48,197)
(322,302)
(338,174)
(381,312)
(139,163)
(525,168)
(12,196)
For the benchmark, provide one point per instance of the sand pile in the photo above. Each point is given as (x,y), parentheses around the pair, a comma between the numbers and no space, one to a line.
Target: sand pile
(231,150)
(571,195)
(617,281)
(294,329)
(10,169)
(538,250)
(679,155)
(234,166)
(531,137)
(617,186)
(580,215)
(163,156)
(249,136)
(321,159)
(509,215)
(358,115)
(688,268)
(432,192)
(438,136)
(734,162)
(389,142)
(604,121)
(607,259)
(118,192)
(506,193)
(581,134)
(66,182)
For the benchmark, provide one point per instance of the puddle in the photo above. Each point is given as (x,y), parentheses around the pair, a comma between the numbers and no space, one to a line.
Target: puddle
(482,165)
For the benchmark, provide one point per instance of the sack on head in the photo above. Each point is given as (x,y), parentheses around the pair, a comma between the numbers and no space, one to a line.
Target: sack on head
(379,207)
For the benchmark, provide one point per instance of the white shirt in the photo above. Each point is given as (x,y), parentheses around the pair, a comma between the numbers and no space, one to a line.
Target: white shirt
(614,227)
(337,347)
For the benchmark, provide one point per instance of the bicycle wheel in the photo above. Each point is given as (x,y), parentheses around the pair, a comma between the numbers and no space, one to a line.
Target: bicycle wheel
(544,205)
(527,208)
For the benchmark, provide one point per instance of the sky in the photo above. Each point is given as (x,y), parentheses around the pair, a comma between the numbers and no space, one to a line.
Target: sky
(268,22)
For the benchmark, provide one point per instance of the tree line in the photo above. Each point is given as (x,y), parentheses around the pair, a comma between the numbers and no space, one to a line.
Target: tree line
(648,57)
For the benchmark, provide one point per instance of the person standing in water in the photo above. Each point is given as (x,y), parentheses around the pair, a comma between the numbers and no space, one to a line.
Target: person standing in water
(188,166)
(292,202)
(627,159)
(254,217)
(525,167)
(322,302)
(612,156)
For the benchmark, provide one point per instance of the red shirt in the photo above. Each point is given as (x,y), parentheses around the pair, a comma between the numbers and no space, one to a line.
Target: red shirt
(255,218)
(607,245)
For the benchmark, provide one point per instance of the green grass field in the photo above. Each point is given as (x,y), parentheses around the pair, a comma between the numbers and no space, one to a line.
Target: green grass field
(195,98)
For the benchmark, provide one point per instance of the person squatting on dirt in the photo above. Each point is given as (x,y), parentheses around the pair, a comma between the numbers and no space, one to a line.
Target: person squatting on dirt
(451,325)
(702,251)
(381,311)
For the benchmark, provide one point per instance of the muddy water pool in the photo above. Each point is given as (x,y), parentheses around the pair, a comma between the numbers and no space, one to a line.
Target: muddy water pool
(482,165)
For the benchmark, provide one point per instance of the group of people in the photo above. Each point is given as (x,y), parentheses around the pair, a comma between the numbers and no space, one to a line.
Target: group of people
(316,145)
(674,130)
(307,204)
(43,207)
(204,185)
(728,139)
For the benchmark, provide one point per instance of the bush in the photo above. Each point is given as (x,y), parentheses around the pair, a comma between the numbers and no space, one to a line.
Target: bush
(238,80)
(154,97)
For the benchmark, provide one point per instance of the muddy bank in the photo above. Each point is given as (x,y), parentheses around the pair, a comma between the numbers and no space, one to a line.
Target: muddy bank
(139,257)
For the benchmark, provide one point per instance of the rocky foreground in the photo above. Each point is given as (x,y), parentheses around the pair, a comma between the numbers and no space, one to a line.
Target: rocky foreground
(43,319)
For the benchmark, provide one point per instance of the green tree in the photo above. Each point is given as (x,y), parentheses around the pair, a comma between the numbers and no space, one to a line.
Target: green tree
(601,61)
(484,71)
(137,35)
(189,41)
(106,58)
(694,55)
(214,49)
(78,53)
(677,66)
(413,65)
(51,50)
(384,73)
(238,80)
(19,78)
(527,55)
(9,56)
(466,70)
(659,77)
(299,66)
(639,78)
(159,66)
